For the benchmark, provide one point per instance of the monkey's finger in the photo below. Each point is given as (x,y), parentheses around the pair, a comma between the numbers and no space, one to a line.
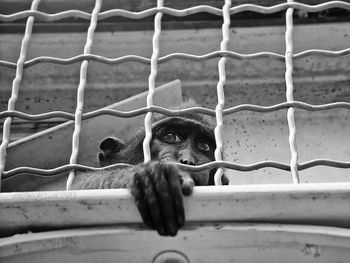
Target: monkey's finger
(175,190)
(165,199)
(153,204)
(139,196)
(187,183)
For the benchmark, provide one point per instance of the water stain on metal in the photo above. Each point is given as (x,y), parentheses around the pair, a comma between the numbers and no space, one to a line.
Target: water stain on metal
(313,250)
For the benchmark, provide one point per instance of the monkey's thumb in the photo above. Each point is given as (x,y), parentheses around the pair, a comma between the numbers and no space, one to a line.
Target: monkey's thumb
(187,184)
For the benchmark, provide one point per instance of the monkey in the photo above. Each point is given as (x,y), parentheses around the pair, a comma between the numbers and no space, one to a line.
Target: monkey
(158,186)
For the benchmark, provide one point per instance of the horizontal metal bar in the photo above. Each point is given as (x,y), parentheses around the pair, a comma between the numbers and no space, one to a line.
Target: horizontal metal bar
(207,166)
(191,57)
(144,110)
(276,203)
(45,17)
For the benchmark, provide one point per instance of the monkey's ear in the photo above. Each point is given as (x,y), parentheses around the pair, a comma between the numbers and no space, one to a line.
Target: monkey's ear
(110,147)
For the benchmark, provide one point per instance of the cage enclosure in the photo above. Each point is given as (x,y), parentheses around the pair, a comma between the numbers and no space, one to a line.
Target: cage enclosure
(273,74)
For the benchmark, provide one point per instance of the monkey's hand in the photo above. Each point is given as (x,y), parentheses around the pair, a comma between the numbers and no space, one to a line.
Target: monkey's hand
(157,188)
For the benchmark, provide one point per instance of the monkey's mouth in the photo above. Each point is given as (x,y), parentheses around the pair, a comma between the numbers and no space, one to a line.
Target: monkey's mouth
(168,159)
(174,160)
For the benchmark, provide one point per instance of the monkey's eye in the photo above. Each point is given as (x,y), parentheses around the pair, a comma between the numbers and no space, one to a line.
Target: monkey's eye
(203,147)
(171,137)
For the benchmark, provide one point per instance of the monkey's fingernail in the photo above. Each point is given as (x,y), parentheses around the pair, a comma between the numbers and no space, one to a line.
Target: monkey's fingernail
(181,221)
(187,185)
(161,231)
(172,231)
(187,189)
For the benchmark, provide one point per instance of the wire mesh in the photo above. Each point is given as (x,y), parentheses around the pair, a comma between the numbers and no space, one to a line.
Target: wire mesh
(152,82)
(220,92)
(81,89)
(289,94)
(219,112)
(41,16)
(15,88)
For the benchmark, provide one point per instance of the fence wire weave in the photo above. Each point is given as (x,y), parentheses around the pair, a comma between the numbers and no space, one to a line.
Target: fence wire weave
(15,88)
(81,92)
(191,57)
(289,94)
(220,91)
(152,82)
(219,112)
(44,17)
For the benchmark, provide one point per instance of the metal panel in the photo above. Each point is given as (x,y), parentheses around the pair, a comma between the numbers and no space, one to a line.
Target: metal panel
(242,243)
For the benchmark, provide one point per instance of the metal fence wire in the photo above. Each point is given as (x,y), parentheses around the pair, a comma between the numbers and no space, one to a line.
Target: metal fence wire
(33,15)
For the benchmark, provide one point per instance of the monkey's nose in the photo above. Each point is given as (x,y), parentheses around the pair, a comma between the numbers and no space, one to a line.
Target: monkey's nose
(188,162)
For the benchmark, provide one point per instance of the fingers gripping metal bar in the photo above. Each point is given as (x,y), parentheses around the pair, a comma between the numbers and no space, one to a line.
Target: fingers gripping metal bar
(220,91)
(81,91)
(152,82)
(289,94)
(15,87)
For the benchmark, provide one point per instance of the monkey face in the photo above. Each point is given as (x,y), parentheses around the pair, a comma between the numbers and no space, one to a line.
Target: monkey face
(175,139)
(183,141)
